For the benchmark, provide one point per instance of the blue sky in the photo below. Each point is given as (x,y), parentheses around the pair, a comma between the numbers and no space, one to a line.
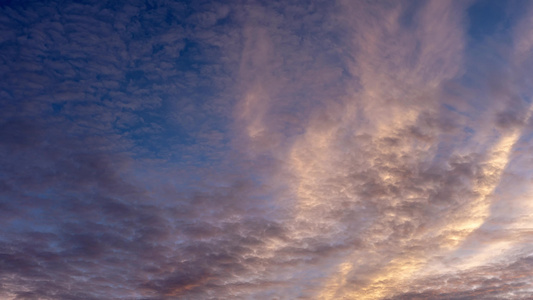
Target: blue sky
(266,150)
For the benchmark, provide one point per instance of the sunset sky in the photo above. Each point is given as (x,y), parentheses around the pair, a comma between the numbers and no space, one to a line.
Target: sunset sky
(261,149)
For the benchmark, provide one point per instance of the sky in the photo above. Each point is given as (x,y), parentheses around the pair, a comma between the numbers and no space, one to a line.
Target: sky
(253,149)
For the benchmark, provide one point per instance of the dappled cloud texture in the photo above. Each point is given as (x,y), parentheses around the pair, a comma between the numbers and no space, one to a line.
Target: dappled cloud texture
(266,150)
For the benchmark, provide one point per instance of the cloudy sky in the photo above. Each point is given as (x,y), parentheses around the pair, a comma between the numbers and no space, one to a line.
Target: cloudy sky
(250,149)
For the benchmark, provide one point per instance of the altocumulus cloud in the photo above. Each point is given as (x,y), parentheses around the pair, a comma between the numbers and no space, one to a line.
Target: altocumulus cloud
(266,150)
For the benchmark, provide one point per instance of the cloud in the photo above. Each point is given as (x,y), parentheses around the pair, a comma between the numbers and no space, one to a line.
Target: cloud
(508,281)
(324,150)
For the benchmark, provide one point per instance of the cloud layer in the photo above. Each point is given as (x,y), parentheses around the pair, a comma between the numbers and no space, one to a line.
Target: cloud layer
(266,150)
